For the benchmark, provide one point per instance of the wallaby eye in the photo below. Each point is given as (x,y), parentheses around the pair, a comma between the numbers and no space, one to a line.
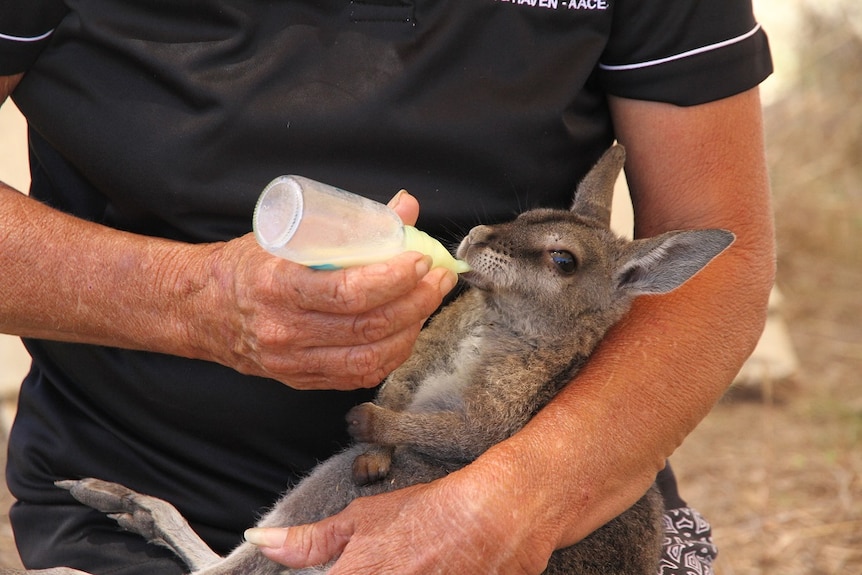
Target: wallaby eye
(564,261)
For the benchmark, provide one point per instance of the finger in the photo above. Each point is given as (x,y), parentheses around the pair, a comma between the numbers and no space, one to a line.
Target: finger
(358,289)
(348,367)
(404,312)
(315,350)
(406,206)
(303,545)
(328,329)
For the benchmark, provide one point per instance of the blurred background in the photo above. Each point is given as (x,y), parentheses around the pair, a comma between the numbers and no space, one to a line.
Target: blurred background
(777,466)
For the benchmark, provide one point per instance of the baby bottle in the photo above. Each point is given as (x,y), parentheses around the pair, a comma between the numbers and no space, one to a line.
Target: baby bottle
(324,227)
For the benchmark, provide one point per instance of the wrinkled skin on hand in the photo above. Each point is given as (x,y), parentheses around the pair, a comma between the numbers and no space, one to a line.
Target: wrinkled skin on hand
(311,329)
(408,530)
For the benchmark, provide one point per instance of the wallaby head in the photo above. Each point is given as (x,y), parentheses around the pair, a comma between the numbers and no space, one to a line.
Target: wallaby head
(562,266)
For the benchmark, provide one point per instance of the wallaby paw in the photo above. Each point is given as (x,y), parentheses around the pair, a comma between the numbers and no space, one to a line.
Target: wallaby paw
(361,422)
(131,510)
(371,466)
(156,520)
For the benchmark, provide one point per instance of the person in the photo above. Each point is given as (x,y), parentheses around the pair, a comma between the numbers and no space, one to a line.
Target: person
(171,354)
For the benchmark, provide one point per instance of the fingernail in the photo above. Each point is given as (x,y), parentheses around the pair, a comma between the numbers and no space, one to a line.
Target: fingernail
(423,266)
(393,203)
(273,537)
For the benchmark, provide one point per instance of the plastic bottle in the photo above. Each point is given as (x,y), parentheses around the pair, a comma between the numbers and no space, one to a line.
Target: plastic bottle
(325,227)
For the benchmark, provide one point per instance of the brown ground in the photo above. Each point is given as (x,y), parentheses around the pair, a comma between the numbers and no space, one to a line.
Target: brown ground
(778,469)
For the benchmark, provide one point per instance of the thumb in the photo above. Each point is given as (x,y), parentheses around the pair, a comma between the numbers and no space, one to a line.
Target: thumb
(303,545)
(406,206)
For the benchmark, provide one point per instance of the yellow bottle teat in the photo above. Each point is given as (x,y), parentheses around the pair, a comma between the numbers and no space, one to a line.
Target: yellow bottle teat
(419,241)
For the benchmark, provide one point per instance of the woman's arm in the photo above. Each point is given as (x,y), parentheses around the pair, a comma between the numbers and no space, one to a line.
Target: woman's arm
(661,370)
(68,279)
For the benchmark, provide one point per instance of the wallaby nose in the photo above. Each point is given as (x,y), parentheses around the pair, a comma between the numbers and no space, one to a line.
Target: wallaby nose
(480,234)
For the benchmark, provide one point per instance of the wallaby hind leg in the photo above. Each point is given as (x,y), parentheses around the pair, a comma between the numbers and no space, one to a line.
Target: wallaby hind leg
(154,519)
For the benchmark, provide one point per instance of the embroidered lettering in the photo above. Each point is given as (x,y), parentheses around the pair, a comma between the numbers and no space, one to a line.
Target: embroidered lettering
(587,4)
(564,4)
(540,3)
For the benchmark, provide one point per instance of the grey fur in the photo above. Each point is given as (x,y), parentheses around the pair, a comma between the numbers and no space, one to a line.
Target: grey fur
(481,369)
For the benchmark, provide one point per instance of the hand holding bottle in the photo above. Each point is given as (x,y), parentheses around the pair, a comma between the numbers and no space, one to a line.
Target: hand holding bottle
(324,227)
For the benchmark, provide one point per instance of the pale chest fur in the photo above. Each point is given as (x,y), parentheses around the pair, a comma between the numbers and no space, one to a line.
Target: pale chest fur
(444,387)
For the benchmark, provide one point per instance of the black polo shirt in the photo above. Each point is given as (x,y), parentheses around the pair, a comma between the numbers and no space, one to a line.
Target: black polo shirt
(167,118)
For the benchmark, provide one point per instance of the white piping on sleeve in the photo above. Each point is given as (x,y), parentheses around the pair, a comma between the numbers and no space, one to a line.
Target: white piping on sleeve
(25,38)
(682,55)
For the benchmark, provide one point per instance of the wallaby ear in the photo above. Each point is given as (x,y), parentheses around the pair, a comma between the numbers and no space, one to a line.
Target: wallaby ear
(663,263)
(595,193)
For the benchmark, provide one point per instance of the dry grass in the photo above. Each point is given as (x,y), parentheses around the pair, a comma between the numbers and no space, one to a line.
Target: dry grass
(778,470)
(782,484)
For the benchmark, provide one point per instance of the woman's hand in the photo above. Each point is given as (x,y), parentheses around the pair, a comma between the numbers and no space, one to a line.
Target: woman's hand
(340,329)
(468,522)
(229,302)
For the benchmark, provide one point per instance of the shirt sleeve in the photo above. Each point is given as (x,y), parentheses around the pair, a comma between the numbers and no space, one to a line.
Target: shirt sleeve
(684,52)
(25,29)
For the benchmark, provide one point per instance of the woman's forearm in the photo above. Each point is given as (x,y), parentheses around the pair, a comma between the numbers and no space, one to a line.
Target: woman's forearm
(597,446)
(68,279)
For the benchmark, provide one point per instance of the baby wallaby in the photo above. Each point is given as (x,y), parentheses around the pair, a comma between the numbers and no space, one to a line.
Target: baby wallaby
(543,290)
